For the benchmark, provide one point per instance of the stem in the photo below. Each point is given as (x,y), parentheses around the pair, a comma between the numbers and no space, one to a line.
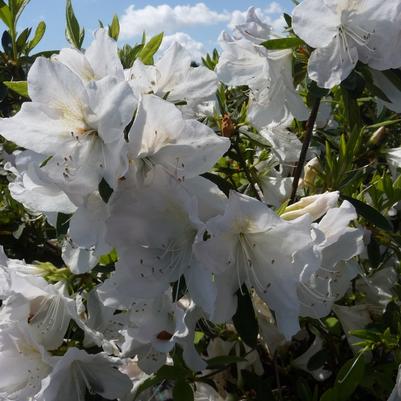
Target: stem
(244,167)
(305,146)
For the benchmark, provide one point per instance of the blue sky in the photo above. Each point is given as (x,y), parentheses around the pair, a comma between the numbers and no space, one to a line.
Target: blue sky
(196,25)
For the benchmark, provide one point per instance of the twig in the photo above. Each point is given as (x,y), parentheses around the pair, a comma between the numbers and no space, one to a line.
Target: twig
(305,147)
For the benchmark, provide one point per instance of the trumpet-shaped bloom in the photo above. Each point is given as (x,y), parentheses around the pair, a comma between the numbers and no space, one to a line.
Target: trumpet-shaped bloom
(267,253)
(349,31)
(161,136)
(268,74)
(80,126)
(173,78)
(167,216)
(77,373)
(98,61)
(338,245)
(23,363)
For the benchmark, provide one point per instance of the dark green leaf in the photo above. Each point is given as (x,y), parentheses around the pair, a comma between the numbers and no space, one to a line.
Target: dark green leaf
(182,391)
(370,214)
(221,361)
(223,185)
(147,384)
(245,320)
(172,372)
(149,50)
(349,377)
(284,43)
(257,138)
(22,39)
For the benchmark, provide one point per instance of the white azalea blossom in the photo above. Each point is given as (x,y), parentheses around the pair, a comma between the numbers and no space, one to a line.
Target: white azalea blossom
(77,373)
(267,253)
(159,250)
(173,78)
(77,125)
(161,136)
(349,31)
(23,362)
(100,59)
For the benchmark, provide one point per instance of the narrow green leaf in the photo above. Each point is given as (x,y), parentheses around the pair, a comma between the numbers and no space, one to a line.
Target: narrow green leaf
(74,33)
(114,28)
(5,15)
(182,391)
(284,43)
(370,214)
(19,87)
(39,32)
(257,138)
(148,383)
(245,320)
(23,38)
(149,50)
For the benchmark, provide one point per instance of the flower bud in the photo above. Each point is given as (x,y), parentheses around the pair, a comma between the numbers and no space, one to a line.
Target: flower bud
(315,205)
(227,126)
(310,172)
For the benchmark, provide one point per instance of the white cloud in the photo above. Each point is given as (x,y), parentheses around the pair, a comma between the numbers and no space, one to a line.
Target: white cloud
(272,15)
(197,49)
(152,19)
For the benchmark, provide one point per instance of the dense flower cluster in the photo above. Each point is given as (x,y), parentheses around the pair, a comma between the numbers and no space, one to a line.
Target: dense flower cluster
(142,134)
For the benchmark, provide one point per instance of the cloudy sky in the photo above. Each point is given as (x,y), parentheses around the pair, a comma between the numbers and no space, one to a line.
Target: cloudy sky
(195,24)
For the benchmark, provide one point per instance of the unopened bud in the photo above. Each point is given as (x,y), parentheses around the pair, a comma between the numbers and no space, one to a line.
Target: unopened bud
(378,136)
(316,206)
(310,172)
(227,126)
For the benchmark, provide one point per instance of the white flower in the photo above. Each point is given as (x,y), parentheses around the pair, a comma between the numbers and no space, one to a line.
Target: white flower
(77,373)
(23,363)
(173,78)
(389,89)
(79,260)
(251,244)
(161,136)
(155,326)
(338,244)
(48,310)
(315,205)
(348,31)
(153,229)
(33,187)
(396,393)
(98,61)
(80,126)
(268,74)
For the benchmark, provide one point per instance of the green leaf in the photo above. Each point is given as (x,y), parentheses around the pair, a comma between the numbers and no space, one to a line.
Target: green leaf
(369,213)
(223,185)
(182,391)
(5,15)
(284,43)
(105,190)
(222,361)
(16,7)
(245,320)
(114,28)
(22,39)
(333,325)
(75,35)
(257,138)
(148,383)
(149,50)
(349,377)
(394,76)
(39,32)
(19,87)
(172,372)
